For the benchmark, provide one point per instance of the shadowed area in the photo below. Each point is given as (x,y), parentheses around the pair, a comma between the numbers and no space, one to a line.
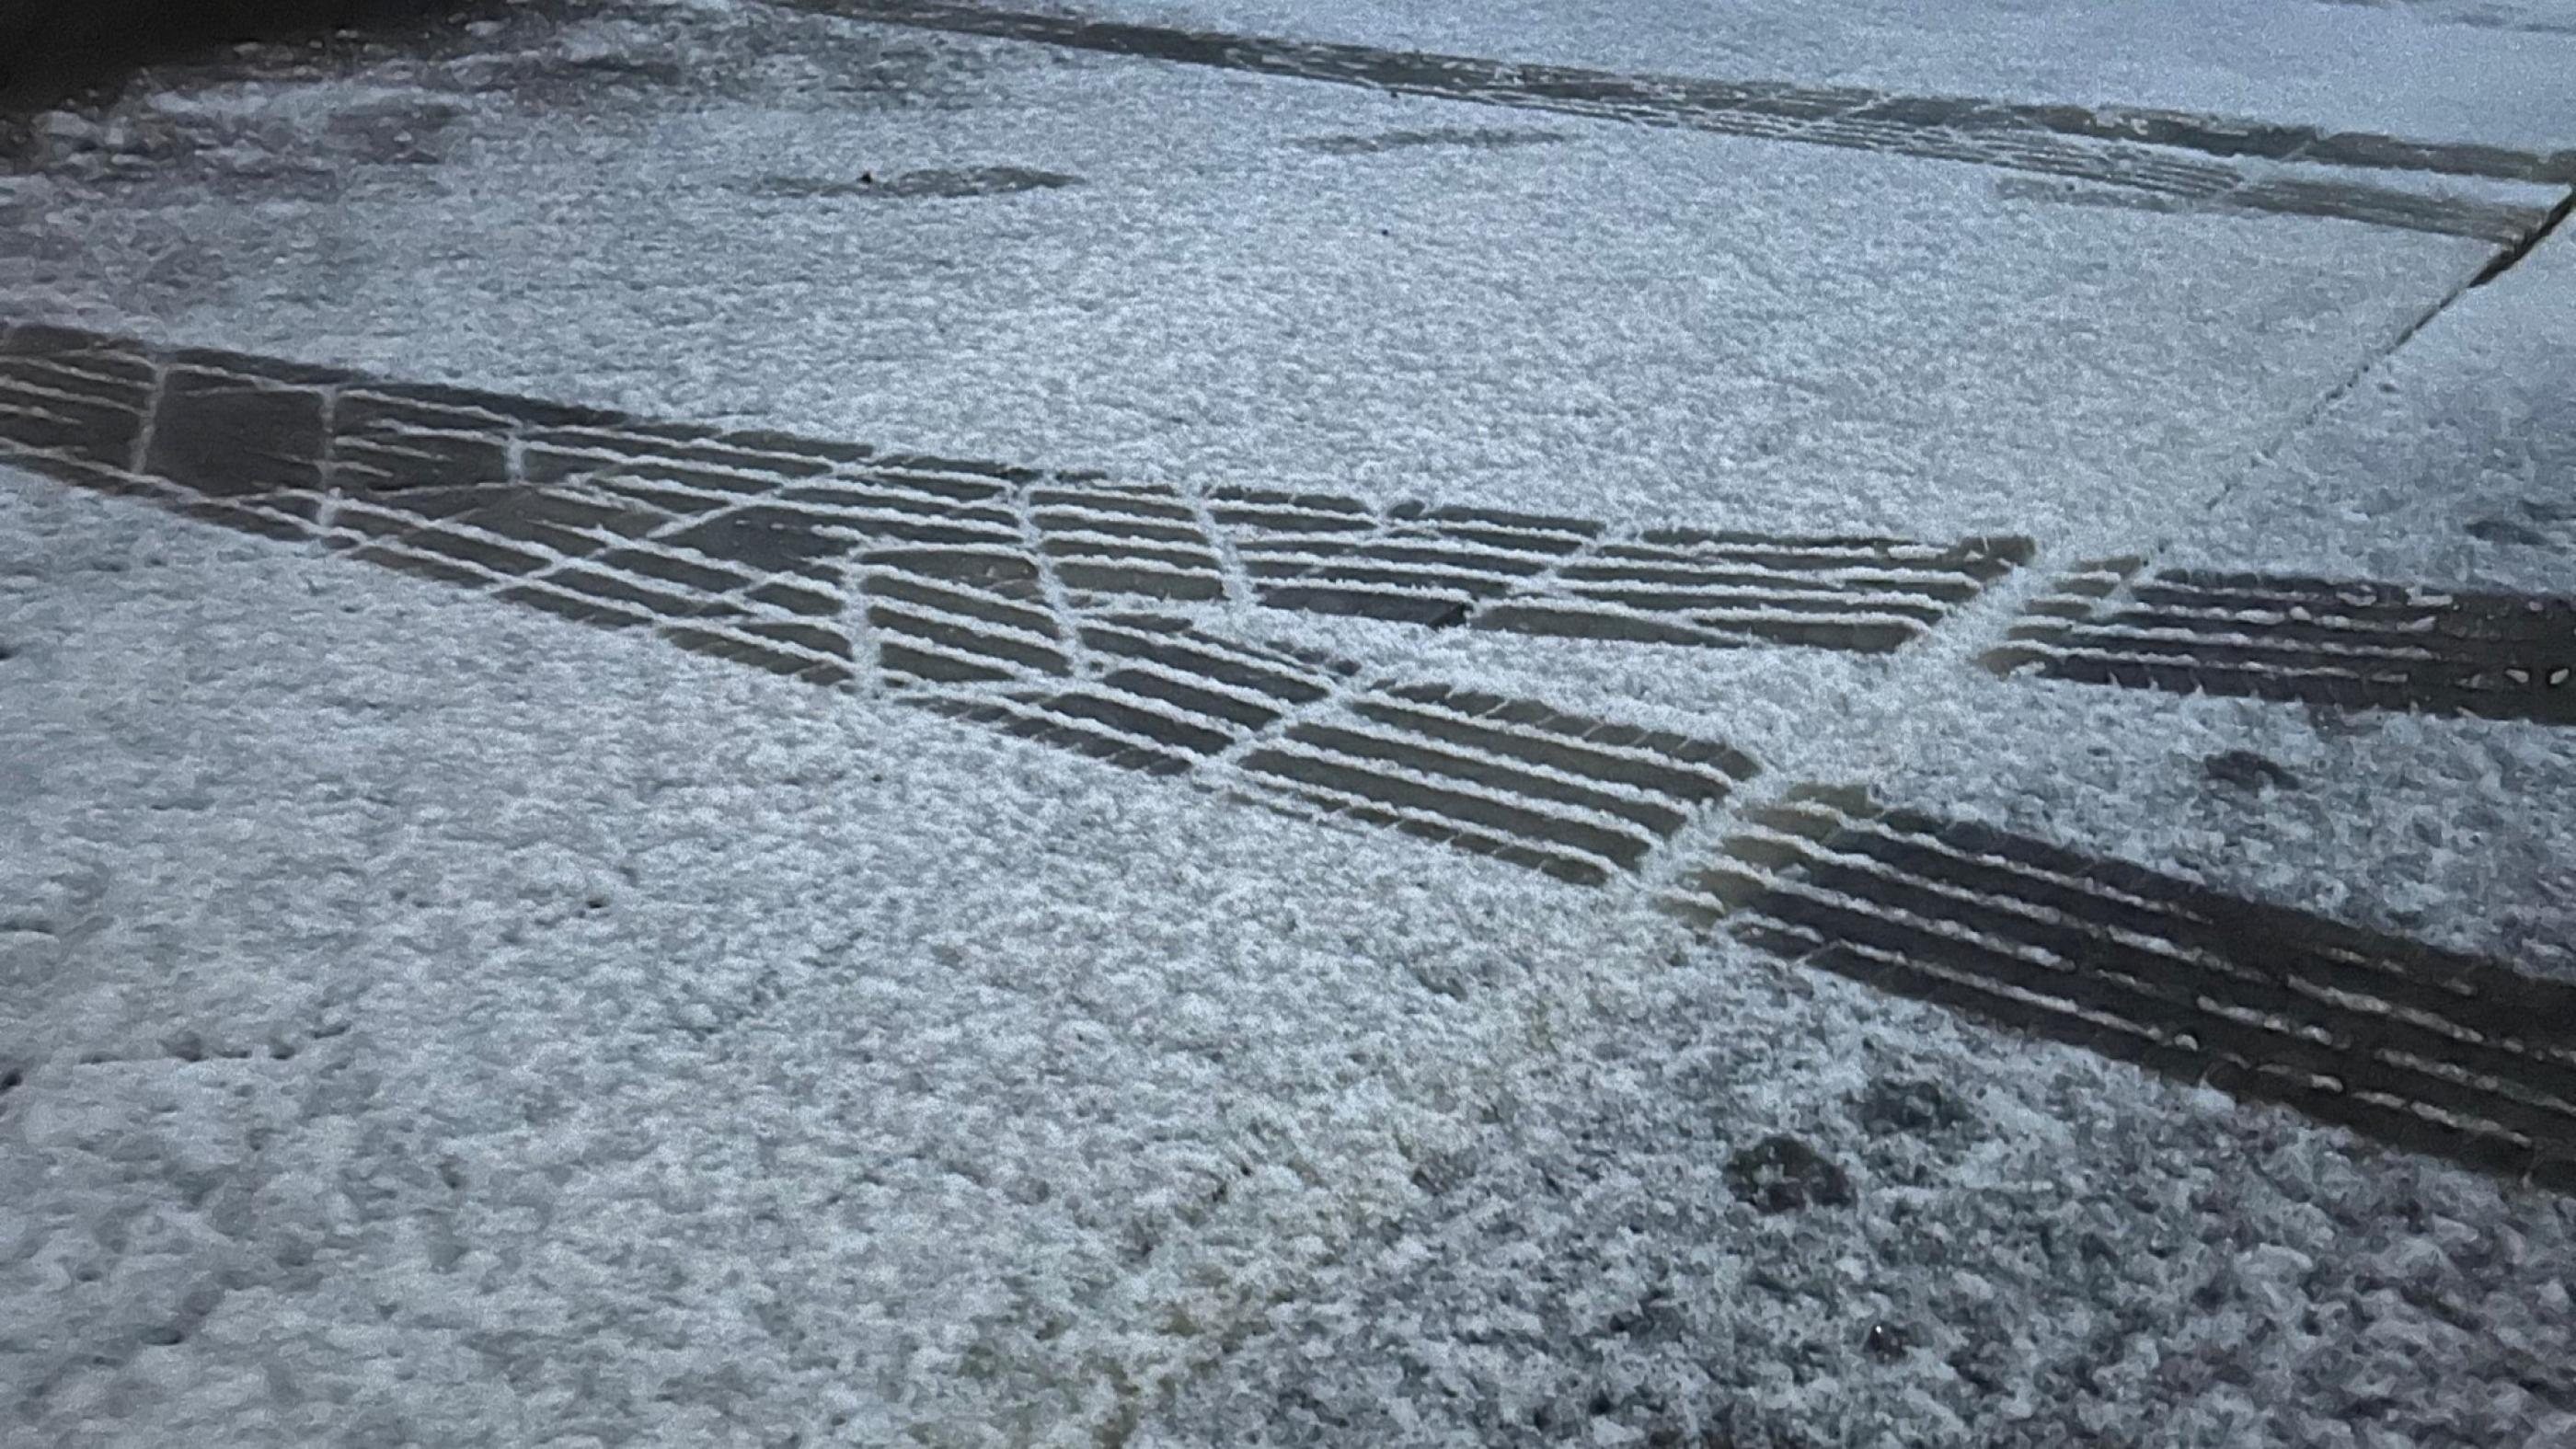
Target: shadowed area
(50,48)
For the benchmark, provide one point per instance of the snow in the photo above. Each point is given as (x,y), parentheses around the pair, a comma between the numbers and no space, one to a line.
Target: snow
(2073,1260)
(412,993)
(2456,830)
(2451,70)
(429,1021)
(2454,463)
(1631,323)
(422,1006)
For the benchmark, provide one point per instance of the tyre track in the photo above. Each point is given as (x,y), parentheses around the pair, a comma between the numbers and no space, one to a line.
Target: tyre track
(1026,601)
(2428,1050)
(2190,159)
(2350,644)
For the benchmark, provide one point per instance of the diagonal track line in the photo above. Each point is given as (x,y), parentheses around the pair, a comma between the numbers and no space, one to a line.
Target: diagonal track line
(2189,158)
(2425,1049)
(992,595)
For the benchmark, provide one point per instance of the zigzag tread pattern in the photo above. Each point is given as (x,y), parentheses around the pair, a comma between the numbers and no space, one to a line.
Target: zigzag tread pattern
(1025,601)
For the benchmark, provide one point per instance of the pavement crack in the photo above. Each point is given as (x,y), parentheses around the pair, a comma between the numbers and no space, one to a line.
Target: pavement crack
(2511,257)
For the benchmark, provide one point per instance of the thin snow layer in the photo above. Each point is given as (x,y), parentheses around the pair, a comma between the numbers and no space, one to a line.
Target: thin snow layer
(2457,831)
(2035,1249)
(429,1022)
(1803,713)
(2040,1247)
(1622,323)
(2452,465)
(2028,1259)
(2030,1253)
(437,1023)
(2463,70)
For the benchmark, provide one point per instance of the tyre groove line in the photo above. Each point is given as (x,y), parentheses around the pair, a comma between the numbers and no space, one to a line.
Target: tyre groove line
(2424,1049)
(2352,644)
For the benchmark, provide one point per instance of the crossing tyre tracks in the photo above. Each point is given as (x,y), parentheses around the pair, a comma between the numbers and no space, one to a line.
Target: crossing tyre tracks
(2163,159)
(1120,621)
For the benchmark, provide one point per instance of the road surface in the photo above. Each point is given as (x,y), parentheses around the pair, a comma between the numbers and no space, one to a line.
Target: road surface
(881,721)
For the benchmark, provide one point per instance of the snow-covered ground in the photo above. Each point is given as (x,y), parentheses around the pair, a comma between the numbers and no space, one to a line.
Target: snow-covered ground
(458,1025)
(1617,322)
(2451,466)
(2037,1257)
(2436,70)
(424,1020)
